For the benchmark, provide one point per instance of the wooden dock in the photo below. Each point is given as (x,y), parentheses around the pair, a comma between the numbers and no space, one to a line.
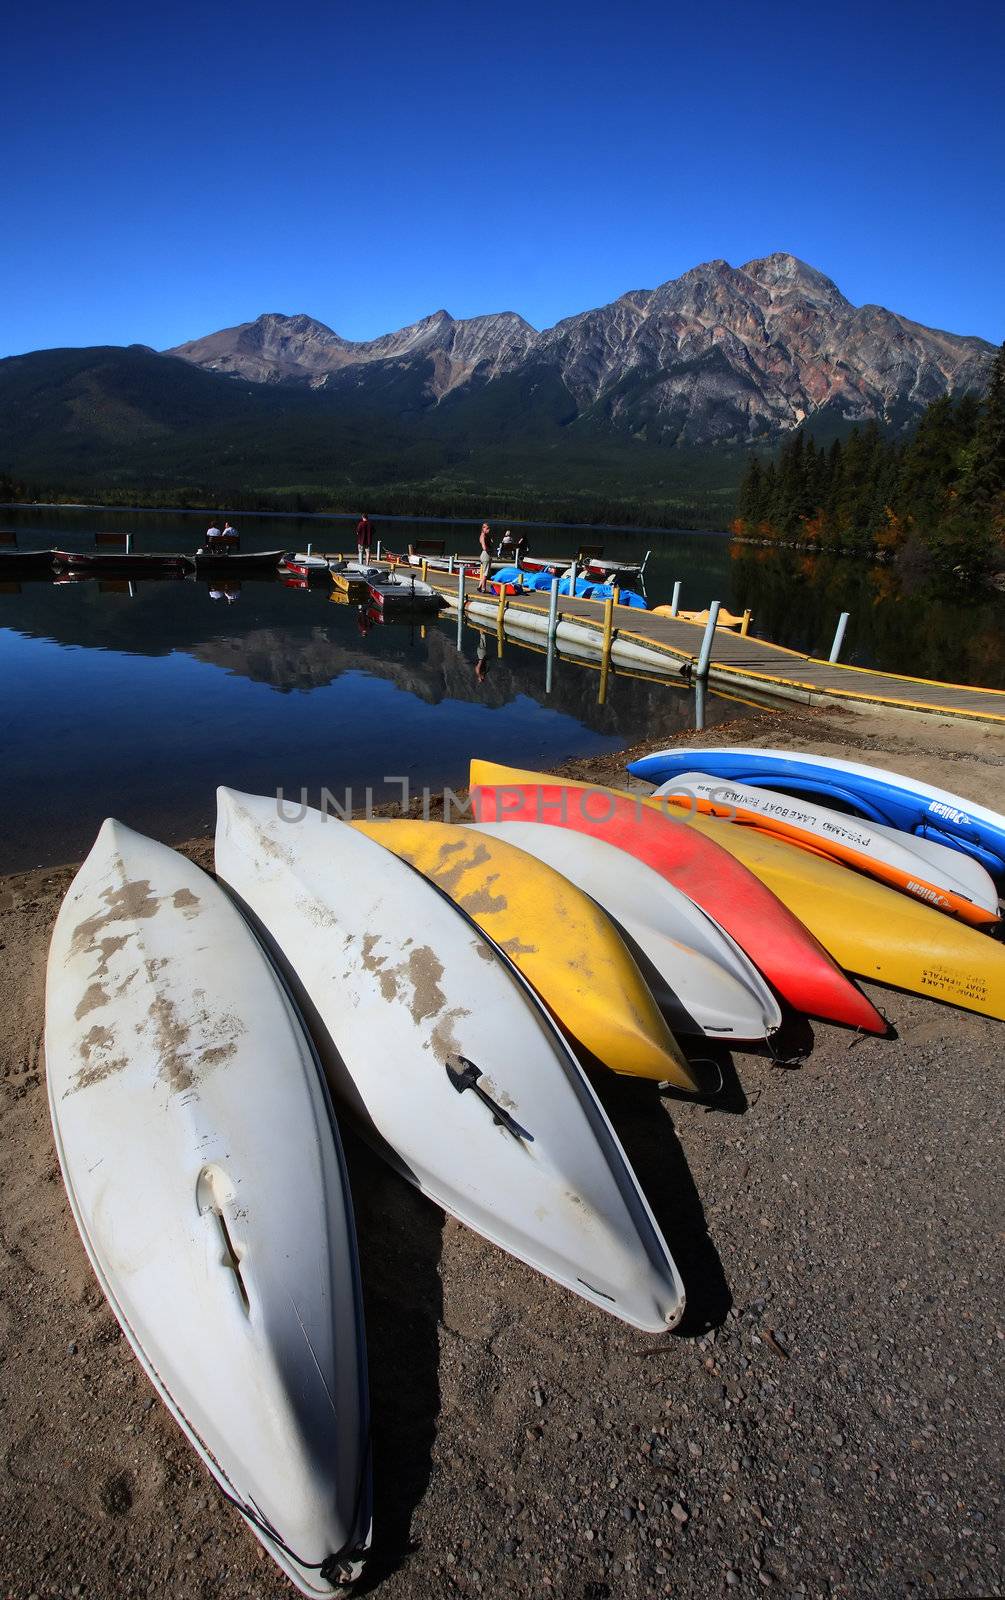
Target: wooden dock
(749,665)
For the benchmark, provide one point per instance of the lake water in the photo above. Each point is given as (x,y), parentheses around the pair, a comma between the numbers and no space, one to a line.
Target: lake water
(139,704)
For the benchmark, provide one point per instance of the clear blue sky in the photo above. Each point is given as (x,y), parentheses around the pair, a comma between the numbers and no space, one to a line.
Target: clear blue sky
(173,170)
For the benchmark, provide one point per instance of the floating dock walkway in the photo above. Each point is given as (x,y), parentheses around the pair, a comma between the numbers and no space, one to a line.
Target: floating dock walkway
(632,638)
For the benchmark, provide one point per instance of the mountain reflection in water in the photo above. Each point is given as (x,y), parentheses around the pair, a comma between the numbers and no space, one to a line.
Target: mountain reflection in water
(137,700)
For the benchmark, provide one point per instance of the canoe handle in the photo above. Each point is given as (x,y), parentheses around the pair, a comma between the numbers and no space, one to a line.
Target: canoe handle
(213,1190)
(463,1074)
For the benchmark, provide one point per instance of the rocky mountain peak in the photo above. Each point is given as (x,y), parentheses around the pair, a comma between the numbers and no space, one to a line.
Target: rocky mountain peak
(786,274)
(719,353)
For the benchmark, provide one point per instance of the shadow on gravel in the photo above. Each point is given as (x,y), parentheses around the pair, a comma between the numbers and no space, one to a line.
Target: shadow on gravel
(400,1242)
(641,1122)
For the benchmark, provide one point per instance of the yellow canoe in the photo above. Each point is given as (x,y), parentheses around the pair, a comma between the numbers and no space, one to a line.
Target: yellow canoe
(869,930)
(565,946)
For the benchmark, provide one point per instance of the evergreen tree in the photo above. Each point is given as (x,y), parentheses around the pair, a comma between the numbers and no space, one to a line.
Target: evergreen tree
(984,488)
(749,506)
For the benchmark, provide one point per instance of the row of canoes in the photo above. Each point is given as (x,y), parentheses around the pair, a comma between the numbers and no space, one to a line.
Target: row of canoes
(454,982)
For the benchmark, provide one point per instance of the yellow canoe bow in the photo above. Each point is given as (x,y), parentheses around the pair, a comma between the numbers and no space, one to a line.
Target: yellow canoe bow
(565,946)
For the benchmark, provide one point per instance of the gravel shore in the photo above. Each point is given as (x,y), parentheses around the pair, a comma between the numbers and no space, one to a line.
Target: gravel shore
(827,1422)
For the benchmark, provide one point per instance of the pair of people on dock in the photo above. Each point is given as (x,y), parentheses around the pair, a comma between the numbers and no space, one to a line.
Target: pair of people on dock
(213,533)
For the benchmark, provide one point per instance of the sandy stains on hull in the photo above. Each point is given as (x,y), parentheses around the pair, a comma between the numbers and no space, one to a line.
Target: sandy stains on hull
(416,981)
(97,1061)
(93,997)
(185,1039)
(130,902)
(183,1056)
(424,973)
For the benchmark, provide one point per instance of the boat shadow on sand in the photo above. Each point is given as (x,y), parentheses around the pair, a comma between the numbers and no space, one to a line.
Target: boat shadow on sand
(638,1113)
(400,1236)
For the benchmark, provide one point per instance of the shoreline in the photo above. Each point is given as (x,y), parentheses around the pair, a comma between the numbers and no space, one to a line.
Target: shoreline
(823,1424)
(351,516)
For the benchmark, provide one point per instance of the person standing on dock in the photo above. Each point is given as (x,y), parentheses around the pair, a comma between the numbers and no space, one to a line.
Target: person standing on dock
(485,559)
(364,539)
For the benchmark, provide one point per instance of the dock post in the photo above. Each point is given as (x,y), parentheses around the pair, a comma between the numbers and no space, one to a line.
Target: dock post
(839,635)
(129,543)
(460,609)
(553,612)
(605,650)
(378,550)
(309,547)
(675,598)
(701,670)
(699,704)
(549,667)
(745,624)
(502,608)
(425,565)
(572,581)
(450,564)
(617,597)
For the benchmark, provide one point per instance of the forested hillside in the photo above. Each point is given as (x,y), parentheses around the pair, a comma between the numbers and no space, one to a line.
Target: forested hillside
(942,491)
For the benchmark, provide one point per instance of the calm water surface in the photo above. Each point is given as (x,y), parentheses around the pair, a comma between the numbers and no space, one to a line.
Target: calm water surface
(139,704)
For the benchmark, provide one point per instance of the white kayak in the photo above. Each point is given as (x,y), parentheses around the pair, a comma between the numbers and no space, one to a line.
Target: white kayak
(447,1059)
(699,976)
(891,798)
(204,1171)
(934,873)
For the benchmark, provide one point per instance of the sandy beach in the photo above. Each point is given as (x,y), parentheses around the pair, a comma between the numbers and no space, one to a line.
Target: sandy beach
(827,1422)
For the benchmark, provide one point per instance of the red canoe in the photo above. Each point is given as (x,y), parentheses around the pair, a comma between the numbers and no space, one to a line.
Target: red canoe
(776,941)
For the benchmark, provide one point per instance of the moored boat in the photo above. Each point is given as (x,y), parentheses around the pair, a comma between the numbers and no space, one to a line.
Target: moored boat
(595,568)
(311,568)
(247,563)
(403,593)
(353,579)
(25,563)
(99,563)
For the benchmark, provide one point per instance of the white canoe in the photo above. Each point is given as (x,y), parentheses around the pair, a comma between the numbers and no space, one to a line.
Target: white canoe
(699,976)
(940,876)
(445,1056)
(204,1172)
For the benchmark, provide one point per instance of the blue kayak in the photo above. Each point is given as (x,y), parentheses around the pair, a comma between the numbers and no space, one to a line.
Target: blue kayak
(889,798)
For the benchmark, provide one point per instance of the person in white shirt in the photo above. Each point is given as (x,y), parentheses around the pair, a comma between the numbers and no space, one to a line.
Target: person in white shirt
(213,532)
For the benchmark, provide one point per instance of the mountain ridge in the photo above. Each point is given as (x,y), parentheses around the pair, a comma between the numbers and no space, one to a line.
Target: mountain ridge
(719,354)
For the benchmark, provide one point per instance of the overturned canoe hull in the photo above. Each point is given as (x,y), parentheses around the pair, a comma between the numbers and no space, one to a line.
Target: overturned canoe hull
(204,1172)
(445,1058)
